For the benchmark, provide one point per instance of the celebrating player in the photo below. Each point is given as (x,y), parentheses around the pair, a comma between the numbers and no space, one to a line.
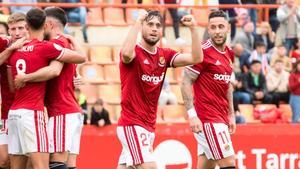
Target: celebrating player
(143,67)
(65,117)
(211,116)
(27,132)
(17,31)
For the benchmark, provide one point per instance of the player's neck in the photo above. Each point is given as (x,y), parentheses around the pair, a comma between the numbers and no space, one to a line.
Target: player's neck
(56,32)
(220,48)
(147,46)
(39,35)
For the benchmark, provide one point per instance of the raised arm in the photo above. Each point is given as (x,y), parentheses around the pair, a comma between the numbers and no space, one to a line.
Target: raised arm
(43,74)
(127,50)
(197,54)
(186,90)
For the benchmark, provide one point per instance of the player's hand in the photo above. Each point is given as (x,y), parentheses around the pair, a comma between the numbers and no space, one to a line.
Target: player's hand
(195,124)
(101,123)
(188,20)
(232,124)
(142,14)
(19,81)
(77,81)
(18,43)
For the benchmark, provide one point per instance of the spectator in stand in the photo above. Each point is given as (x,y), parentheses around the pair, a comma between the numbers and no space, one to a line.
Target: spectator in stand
(166,95)
(294,85)
(252,11)
(176,21)
(3,28)
(240,96)
(76,15)
(246,37)
(254,83)
(277,83)
(100,116)
(289,16)
(295,56)
(280,54)
(232,15)
(260,54)
(266,35)
(241,59)
(273,20)
(23,9)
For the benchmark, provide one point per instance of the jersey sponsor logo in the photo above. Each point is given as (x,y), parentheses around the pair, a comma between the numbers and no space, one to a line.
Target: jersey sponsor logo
(218,63)
(221,77)
(162,61)
(146,62)
(153,79)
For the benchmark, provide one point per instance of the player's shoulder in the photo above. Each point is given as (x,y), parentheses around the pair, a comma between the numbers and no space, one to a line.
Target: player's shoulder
(206,45)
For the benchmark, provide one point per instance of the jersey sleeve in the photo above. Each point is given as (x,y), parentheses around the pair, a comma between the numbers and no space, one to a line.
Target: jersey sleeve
(198,67)
(170,55)
(59,42)
(53,51)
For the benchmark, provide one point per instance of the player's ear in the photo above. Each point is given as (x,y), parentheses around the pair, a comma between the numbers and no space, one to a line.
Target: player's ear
(26,27)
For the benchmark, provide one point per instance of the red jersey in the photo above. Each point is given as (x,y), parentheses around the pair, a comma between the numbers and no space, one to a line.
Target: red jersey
(61,99)
(294,83)
(141,84)
(6,95)
(30,58)
(212,84)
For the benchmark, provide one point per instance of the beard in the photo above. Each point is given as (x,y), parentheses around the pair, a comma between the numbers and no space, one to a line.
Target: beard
(219,43)
(150,41)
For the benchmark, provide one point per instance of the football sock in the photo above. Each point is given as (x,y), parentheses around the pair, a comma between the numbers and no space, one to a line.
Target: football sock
(231,167)
(57,165)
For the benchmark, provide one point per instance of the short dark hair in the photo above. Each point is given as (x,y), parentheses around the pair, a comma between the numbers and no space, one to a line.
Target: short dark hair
(57,13)
(217,13)
(152,14)
(255,62)
(36,18)
(260,44)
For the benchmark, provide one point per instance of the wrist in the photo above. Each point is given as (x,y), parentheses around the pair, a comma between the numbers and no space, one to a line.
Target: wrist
(192,113)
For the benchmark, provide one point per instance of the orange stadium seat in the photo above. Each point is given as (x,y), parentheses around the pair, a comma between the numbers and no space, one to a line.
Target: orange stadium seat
(173,113)
(176,90)
(286,111)
(116,53)
(201,16)
(113,111)
(101,54)
(94,16)
(89,92)
(178,73)
(112,72)
(131,15)
(92,73)
(114,16)
(111,93)
(168,20)
(247,111)
(170,76)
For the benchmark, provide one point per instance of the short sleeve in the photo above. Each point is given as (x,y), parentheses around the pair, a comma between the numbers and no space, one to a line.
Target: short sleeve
(53,51)
(198,67)
(59,42)
(170,55)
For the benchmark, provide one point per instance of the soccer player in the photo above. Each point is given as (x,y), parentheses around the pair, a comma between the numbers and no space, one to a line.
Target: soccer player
(143,67)
(17,30)
(27,134)
(65,117)
(211,116)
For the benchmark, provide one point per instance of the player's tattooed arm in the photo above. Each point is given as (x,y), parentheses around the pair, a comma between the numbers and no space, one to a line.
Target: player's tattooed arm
(232,123)
(127,51)
(186,88)
(43,74)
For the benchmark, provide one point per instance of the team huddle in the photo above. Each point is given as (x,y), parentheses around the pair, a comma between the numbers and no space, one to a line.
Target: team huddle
(38,64)
(37,71)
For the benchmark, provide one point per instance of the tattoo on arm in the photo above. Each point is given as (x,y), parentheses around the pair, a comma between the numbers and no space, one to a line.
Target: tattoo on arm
(230,98)
(186,88)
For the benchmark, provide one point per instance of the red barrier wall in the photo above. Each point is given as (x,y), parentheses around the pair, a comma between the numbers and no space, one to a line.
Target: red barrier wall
(257,146)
